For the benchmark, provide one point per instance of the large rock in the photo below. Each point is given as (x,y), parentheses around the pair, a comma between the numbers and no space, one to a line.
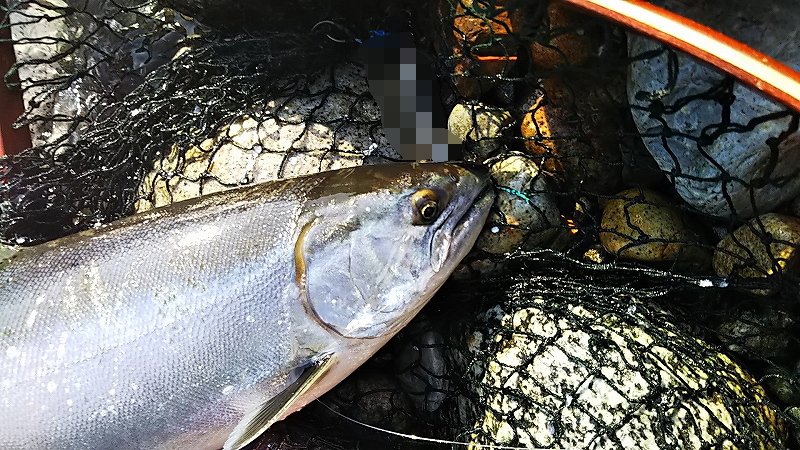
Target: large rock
(74,60)
(719,142)
(559,371)
(327,122)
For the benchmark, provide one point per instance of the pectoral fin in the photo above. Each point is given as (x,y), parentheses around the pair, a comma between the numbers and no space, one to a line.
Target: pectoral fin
(269,412)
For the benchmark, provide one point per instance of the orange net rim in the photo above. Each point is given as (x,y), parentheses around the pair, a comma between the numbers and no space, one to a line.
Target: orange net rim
(729,55)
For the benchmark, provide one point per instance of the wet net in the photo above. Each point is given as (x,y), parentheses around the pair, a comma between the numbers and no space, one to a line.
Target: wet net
(636,284)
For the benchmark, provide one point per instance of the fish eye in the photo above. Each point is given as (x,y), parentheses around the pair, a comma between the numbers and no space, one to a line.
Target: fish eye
(426,206)
(428,210)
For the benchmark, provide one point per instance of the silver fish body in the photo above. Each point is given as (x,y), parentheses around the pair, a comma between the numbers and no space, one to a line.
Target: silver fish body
(164,330)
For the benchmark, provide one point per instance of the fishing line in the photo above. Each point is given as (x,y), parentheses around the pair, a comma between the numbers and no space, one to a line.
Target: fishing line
(329,22)
(425,439)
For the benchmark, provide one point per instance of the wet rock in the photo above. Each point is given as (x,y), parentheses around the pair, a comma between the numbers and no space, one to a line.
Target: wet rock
(794,207)
(73,62)
(764,246)
(794,415)
(421,365)
(763,334)
(564,41)
(479,269)
(402,388)
(297,16)
(309,130)
(479,126)
(525,215)
(723,141)
(480,44)
(639,169)
(640,224)
(783,385)
(569,124)
(374,398)
(563,373)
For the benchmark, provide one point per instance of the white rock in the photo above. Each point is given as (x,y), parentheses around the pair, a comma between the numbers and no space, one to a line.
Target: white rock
(107,37)
(602,377)
(480,126)
(309,130)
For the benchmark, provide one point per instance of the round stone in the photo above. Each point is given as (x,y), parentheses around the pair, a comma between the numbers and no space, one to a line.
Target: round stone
(731,151)
(480,127)
(763,246)
(640,224)
(568,45)
(526,215)
(307,131)
(567,125)
(560,373)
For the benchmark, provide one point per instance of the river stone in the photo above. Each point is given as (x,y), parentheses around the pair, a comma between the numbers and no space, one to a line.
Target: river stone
(640,224)
(566,41)
(783,384)
(480,127)
(762,334)
(744,253)
(296,16)
(310,130)
(421,364)
(794,207)
(75,60)
(481,41)
(525,218)
(717,177)
(570,124)
(565,373)
(794,414)
(479,269)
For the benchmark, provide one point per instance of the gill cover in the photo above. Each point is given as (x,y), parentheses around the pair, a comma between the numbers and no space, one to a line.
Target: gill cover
(358,275)
(364,262)
(373,248)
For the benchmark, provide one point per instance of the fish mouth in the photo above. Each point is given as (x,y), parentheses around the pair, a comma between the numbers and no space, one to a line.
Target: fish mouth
(452,241)
(478,212)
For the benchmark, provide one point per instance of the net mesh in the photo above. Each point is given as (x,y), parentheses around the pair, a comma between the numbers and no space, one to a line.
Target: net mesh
(668,294)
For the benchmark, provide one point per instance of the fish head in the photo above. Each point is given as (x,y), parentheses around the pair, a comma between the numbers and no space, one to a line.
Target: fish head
(378,241)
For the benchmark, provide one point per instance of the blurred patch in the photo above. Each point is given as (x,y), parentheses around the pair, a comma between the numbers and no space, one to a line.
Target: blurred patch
(403,83)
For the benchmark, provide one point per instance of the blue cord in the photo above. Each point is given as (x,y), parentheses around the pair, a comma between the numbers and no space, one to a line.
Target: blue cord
(372,34)
(515,193)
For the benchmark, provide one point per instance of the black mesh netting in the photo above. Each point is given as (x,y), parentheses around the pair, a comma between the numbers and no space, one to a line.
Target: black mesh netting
(663,312)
